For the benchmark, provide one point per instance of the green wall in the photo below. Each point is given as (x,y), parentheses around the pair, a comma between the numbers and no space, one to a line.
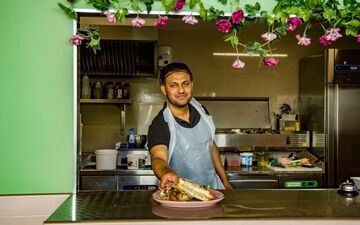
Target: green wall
(36,99)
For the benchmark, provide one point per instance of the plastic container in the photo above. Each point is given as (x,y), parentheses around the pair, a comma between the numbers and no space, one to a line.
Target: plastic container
(135,161)
(246,159)
(106,159)
(131,141)
(232,160)
(262,159)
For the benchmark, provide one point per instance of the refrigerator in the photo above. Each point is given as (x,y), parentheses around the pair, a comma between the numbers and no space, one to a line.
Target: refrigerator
(329,103)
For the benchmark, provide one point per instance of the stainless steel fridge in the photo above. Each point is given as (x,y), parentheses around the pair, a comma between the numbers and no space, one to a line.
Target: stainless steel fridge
(329,91)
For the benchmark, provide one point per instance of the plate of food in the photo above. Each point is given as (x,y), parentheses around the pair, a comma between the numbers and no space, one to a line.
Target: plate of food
(187,194)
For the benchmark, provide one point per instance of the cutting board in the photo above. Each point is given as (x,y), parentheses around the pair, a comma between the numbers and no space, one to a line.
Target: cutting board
(295,169)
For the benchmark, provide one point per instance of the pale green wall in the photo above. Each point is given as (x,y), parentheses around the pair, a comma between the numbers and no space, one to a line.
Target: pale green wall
(36,98)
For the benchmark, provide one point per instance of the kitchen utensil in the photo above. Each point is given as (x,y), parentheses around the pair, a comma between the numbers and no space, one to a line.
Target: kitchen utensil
(140,141)
(348,189)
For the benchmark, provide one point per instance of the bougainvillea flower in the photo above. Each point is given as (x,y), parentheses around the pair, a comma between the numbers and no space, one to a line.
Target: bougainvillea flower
(270,61)
(190,20)
(76,40)
(358,38)
(324,41)
(332,34)
(269,36)
(313,23)
(223,26)
(179,5)
(70,1)
(110,17)
(237,16)
(303,40)
(293,22)
(237,64)
(137,22)
(162,21)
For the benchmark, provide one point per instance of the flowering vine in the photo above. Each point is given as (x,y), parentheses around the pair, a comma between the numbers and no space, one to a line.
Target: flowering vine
(288,16)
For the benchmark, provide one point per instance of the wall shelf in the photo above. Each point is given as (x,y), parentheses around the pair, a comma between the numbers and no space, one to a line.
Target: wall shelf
(105,101)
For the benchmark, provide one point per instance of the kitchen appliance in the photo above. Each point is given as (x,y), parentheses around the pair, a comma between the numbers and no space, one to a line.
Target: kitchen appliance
(122,159)
(329,105)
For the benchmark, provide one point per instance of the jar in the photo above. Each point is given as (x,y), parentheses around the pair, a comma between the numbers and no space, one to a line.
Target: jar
(109,91)
(262,159)
(98,90)
(246,159)
(119,91)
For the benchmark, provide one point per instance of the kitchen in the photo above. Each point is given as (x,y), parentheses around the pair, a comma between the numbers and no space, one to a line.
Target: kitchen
(202,86)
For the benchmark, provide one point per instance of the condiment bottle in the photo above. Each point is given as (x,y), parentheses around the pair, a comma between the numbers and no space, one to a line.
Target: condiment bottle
(85,87)
(98,90)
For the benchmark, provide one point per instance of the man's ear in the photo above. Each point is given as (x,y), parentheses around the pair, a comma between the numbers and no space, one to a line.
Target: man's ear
(163,90)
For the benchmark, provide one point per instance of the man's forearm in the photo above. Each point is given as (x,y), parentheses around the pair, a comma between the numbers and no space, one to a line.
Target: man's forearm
(160,167)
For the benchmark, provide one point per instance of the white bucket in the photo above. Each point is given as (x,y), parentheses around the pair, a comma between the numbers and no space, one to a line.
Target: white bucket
(135,161)
(106,159)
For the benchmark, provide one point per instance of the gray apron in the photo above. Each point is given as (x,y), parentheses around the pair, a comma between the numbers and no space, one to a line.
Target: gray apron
(190,149)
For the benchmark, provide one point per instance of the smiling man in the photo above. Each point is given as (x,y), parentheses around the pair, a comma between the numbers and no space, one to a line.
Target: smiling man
(181,136)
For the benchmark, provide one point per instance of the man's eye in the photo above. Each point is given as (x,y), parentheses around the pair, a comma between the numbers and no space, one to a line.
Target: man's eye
(172,85)
(186,84)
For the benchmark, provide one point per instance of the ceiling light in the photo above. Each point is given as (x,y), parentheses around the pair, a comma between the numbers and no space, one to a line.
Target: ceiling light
(246,54)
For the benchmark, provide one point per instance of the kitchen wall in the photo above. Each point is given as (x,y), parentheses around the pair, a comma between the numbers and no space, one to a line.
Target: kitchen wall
(213,75)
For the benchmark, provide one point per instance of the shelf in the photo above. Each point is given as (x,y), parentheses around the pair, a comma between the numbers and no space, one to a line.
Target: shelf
(105,101)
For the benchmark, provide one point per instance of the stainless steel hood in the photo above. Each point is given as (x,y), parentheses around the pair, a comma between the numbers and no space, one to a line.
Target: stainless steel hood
(122,58)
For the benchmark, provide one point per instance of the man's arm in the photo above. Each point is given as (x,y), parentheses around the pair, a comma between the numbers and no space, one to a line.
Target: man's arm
(219,167)
(159,158)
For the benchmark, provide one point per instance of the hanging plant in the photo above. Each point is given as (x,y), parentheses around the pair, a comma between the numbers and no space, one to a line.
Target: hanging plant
(284,18)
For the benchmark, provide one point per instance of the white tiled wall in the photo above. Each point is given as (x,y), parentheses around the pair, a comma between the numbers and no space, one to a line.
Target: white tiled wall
(28,209)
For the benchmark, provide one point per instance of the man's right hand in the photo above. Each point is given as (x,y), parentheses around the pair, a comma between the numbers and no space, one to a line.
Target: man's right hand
(169,178)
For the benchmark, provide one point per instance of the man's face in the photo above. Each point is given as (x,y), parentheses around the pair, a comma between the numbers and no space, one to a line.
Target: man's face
(178,88)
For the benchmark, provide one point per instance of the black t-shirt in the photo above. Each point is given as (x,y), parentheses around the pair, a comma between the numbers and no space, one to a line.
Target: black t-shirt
(159,133)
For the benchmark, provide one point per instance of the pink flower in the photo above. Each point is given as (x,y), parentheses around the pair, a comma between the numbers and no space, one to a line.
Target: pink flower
(223,26)
(269,36)
(70,1)
(110,17)
(162,21)
(237,16)
(270,61)
(313,23)
(303,40)
(179,5)
(76,39)
(137,22)
(190,20)
(237,64)
(293,22)
(358,38)
(324,42)
(332,34)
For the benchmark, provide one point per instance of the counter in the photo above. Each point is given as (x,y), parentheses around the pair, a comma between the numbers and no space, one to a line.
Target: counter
(320,206)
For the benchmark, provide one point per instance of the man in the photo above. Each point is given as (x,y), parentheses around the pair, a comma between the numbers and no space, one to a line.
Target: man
(181,136)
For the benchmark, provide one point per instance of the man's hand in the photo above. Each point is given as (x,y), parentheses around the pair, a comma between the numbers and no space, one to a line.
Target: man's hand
(169,178)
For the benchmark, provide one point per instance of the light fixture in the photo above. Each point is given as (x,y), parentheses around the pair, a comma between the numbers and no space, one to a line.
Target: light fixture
(246,54)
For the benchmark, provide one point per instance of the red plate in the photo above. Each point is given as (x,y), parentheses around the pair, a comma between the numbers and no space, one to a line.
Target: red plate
(189,204)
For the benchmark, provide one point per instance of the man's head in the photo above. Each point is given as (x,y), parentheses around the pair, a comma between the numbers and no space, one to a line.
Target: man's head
(176,84)
(171,68)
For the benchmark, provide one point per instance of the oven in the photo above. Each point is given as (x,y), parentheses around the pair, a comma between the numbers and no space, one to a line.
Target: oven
(253,181)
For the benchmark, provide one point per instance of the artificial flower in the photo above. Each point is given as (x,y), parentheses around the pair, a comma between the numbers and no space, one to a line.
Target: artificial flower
(179,5)
(76,40)
(324,41)
(162,21)
(190,20)
(237,16)
(137,22)
(293,22)
(358,38)
(237,64)
(303,40)
(269,36)
(110,17)
(70,1)
(223,26)
(332,34)
(270,61)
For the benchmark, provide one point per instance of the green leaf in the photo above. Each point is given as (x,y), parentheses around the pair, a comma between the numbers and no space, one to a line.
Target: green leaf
(223,2)
(192,3)
(135,5)
(121,14)
(69,11)
(102,5)
(350,31)
(168,5)
(148,4)
(232,38)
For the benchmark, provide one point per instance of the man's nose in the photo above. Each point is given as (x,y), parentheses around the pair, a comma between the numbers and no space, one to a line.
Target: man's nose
(181,89)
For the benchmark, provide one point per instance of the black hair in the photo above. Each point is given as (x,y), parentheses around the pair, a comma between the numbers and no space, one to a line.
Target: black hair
(172,68)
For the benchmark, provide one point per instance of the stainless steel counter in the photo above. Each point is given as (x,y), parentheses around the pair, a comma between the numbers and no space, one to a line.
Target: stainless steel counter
(118,207)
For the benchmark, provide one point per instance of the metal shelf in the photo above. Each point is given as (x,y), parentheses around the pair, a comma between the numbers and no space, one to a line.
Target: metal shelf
(105,101)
